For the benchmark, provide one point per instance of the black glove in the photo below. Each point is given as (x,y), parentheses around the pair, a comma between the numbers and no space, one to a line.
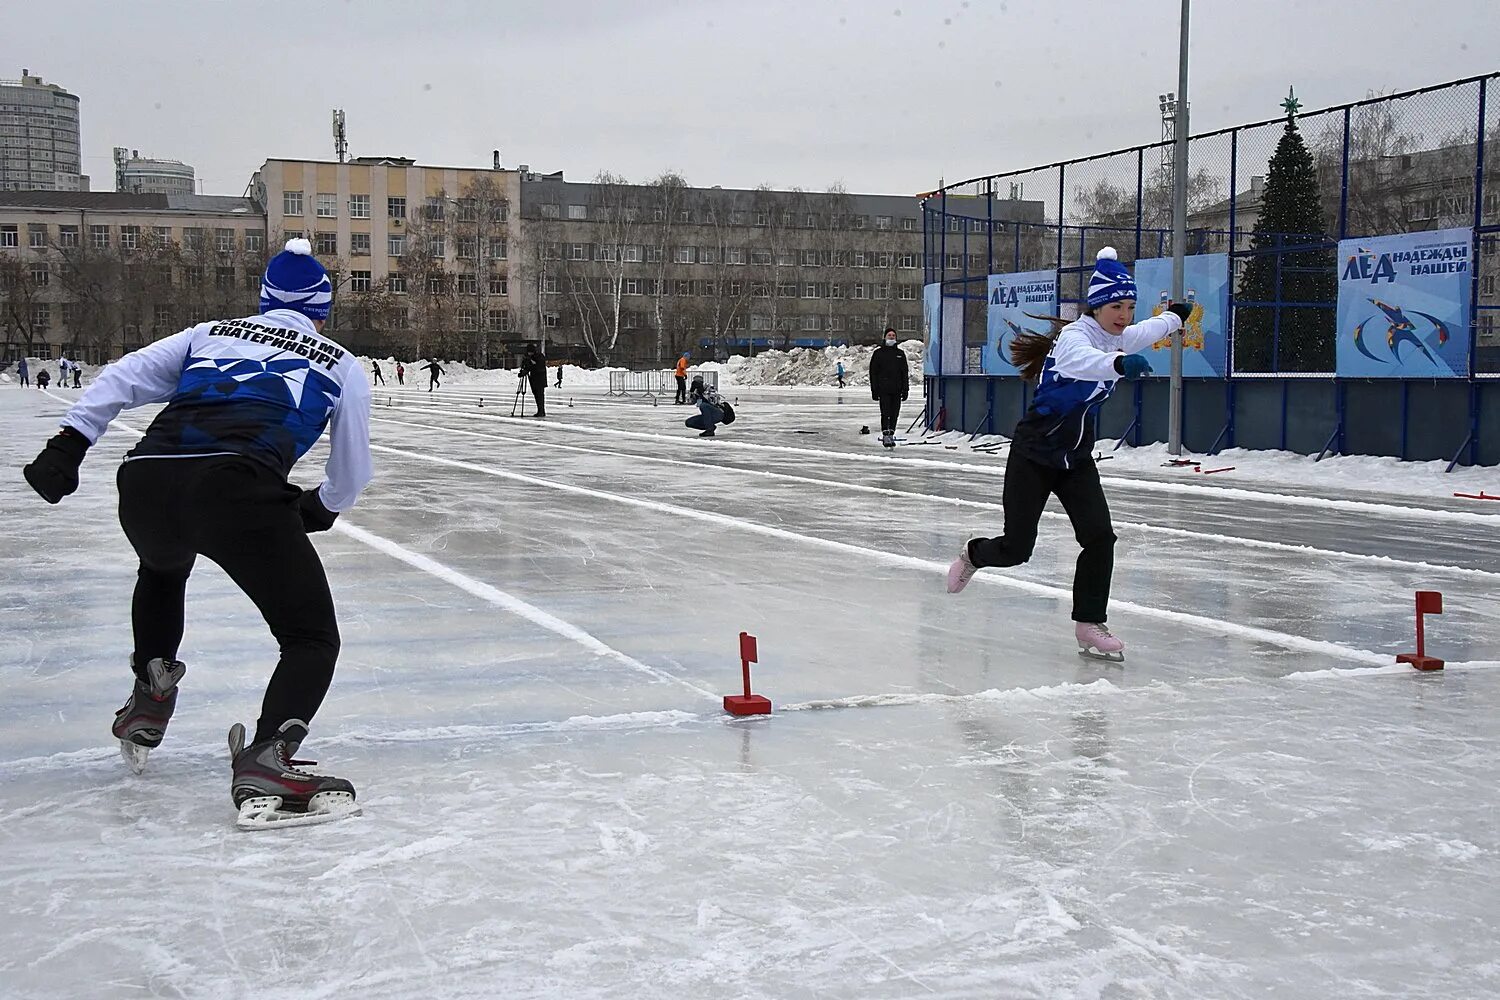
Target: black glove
(315,517)
(54,473)
(1182,310)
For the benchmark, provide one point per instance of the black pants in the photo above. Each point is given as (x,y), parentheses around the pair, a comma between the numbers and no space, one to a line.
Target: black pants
(1027,486)
(243,516)
(379,379)
(681,389)
(433,384)
(890,410)
(539,392)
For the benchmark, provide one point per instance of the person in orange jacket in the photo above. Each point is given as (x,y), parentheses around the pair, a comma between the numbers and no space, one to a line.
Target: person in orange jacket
(682,380)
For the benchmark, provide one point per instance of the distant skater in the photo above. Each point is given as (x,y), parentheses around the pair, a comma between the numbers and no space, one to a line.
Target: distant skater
(890,381)
(375,372)
(434,372)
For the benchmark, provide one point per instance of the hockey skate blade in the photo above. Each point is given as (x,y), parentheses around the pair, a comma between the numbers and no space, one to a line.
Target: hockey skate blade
(134,755)
(1088,653)
(264,812)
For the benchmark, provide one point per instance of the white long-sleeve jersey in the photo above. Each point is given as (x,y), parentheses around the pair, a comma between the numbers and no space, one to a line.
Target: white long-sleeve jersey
(264,387)
(1077,377)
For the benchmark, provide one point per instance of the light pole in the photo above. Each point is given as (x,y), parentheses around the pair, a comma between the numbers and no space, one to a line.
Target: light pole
(1179,231)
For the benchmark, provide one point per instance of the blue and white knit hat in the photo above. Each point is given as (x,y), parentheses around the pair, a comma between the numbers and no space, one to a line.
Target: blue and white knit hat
(1110,281)
(295,280)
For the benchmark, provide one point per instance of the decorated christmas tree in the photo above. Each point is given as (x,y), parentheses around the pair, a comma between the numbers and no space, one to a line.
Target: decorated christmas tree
(1292,272)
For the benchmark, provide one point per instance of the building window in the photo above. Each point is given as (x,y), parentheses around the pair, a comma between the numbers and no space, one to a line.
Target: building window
(907,293)
(760,321)
(396,283)
(223,240)
(224,277)
(400,318)
(809,258)
(468,284)
(359,281)
(395,246)
(883,259)
(579,213)
(578,251)
(67,236)
(192,238)
(328,205)
(468,320)
(193,276)
(653,255)
(859,291)
(907,260)
(500,320)
(836,290)
(359,244)
(326,244)
(762,219)
(498,249)
(437,246)
(549,320)
(38,235)
(908,225)
(500,211)
(549,284)
(604,252)
(130,237)
(860,221)
(955,261)
(682,255)
(631,254)
(162,235)
(291,203)
(550,211)
(466,247)
(40,273)
(632,286)
(760,258)
(499,285)
(736,218)
(786,258)
(467,210)
(163,317)
(434,211)
(882,290)
(437,284)
(254,242)
(734,255)
(809,323)
(41,315)
(359,206)
(859,259)
(786,290)
(708,255)
(810,291)
(292,234)
(395,208)
(907,324)
(882,222)
(98,236)
(549,251)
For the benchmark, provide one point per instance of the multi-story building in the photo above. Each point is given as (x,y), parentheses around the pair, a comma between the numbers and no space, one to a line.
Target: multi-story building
(138,175)
(95,274)
(420,255)
(39,142)
(637,273)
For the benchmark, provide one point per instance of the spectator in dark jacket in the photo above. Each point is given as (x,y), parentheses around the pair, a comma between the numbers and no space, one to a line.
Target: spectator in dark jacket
(889,384)
(534,370)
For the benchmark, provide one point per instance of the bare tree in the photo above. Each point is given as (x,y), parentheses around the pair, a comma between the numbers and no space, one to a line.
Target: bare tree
(721,216)
(478,226)
(20,294)
(1377,142)
(666,198)
(428,286)
(618,209)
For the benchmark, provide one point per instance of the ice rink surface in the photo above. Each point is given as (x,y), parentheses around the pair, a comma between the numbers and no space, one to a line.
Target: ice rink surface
(539,619)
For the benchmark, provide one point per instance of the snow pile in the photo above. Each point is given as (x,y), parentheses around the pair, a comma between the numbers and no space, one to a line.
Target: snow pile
(814,366)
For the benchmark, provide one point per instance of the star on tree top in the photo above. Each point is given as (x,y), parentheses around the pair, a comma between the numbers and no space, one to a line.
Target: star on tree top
(1291,104)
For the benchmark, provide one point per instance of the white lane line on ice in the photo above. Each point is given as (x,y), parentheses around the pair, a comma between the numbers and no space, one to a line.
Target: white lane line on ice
(495,596)
(509,602)
(1140,526)
(1212,625)
(1147,485)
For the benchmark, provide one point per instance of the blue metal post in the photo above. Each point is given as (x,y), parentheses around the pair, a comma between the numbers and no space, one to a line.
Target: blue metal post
(1062,172)
(1276,314)
(1234,153)
(937,362)
(1344,182)
(1140,204)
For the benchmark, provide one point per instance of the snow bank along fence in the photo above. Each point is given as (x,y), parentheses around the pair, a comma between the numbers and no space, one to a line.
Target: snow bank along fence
(1345,294)
(655,383)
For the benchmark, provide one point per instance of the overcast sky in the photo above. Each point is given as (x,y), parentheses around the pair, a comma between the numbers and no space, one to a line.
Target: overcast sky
(883,96)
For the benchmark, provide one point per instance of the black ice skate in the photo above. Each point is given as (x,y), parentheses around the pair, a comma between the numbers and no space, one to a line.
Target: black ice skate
(270,789)
(142,721)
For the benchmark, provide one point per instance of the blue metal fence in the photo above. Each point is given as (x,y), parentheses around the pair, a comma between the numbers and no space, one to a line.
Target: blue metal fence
(1408,162)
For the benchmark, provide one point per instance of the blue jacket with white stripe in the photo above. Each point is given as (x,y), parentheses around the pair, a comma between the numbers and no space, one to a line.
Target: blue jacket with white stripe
(1077,377)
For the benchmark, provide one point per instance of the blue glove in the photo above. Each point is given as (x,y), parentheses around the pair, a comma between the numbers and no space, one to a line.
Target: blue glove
(1133,365)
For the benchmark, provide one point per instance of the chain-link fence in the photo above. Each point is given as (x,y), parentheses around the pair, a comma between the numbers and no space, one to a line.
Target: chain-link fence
(1417,161)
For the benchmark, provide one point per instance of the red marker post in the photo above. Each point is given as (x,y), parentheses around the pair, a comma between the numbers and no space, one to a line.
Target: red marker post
(747,703)
(1429,602)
